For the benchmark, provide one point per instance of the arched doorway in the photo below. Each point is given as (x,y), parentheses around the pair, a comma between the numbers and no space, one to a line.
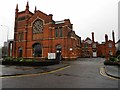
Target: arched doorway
(37,50)
(58,52)
(58,48)
(20,51)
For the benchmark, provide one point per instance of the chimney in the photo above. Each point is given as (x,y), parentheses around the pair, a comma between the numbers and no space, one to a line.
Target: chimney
(113,36)
(35,9)
(106,37)
(50,15)
(93,37)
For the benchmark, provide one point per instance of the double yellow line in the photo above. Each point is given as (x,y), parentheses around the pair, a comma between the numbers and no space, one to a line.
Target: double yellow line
(103,73)
(25,75)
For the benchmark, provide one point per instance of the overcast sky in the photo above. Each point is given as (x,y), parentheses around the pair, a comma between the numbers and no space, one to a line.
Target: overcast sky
(98,16)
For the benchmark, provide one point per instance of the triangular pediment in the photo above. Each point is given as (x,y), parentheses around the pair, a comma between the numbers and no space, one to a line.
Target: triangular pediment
(40,15)
(88,40)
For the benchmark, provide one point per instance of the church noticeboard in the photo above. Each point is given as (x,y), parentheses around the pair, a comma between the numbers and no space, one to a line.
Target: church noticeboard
(51,55)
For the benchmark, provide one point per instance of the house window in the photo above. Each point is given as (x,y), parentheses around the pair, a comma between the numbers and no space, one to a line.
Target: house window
(21,18)
(110,53)
(94,45)
(110,45)
(20,36)
(86,45)
(60,32)
(56,32)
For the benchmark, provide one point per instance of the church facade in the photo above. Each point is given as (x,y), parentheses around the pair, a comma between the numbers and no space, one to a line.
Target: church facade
(36,35)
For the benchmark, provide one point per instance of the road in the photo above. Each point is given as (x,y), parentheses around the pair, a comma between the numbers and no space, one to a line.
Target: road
(83,73)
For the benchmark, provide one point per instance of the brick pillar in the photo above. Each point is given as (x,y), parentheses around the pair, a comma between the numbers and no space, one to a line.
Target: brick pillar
(113,36)
(106,37)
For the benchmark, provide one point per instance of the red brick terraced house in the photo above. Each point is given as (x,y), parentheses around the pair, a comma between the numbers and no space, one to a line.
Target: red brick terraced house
(107,48)
(37,34)
(90,48)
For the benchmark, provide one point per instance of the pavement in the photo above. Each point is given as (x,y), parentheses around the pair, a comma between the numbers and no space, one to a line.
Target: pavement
(113,71)
(8,70)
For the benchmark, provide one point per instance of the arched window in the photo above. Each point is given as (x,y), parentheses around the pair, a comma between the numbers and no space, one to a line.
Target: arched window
(56,32)
(37,50)
(37,26)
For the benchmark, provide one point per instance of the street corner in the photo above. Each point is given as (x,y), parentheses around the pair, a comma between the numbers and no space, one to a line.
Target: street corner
(107,72)
(112,71)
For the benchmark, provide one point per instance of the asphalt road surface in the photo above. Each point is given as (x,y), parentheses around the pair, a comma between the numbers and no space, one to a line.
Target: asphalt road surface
(83,73)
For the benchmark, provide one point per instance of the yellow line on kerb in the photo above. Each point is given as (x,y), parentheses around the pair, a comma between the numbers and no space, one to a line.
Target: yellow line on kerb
(102,72)
(37,73)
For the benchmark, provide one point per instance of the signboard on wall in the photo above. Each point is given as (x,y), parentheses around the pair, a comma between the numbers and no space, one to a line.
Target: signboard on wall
(51,55)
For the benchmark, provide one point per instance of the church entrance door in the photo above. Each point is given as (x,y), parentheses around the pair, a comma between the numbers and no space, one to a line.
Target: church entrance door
(37,50)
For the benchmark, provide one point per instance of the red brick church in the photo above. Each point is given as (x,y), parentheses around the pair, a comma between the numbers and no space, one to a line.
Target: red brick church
(38,35)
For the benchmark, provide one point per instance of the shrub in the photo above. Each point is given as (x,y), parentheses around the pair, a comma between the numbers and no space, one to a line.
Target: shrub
(18,60)
(118,57)
(8,59)
(113,59)
(118,53)
(28,60)
(21,60)
(108,62)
